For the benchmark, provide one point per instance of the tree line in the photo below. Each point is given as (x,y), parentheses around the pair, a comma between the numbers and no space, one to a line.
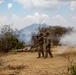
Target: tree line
(55,32)
(9,37)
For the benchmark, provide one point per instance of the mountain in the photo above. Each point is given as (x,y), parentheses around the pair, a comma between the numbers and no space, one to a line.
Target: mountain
(26,33)
(32,28)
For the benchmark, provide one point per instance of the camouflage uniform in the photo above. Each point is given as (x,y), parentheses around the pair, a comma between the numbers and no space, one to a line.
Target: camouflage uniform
(48,45)
(40,46)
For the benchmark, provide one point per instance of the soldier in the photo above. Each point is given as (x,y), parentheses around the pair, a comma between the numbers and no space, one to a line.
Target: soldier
(48,45)
(40,46)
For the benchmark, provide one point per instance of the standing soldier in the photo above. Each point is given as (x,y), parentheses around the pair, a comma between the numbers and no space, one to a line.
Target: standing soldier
(40,45)
(48,45)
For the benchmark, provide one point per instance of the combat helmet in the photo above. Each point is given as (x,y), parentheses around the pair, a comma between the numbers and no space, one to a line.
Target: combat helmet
(41,33)
(47,33)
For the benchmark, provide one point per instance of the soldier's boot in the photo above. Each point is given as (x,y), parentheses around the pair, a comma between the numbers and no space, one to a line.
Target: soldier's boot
(39,55)
(42,54)
(50,54)
(46,55)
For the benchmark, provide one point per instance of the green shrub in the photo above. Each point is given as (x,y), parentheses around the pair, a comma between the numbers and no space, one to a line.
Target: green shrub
(9,40)
(72,69)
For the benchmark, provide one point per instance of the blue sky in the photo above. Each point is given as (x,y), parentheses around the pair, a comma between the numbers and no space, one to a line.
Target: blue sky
(22,13)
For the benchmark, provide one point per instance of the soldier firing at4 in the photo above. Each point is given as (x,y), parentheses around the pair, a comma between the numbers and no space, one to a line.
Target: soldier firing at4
(48,45)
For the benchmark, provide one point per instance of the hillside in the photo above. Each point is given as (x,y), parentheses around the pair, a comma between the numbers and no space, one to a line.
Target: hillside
(26,33)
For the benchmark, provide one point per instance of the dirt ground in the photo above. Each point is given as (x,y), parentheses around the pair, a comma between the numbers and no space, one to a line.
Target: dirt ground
(27,63)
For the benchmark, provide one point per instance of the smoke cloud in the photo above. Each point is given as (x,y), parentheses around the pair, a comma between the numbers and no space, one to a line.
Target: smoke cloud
(62,50)
(69,39)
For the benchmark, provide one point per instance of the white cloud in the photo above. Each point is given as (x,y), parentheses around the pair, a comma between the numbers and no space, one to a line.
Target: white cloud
(73,21)
(59,20)
(9,5)
(40,4)
(47,4)
(58,17)
(1,1)
(44,16)
(73,5)
(3,20)
(66,0)
(25,3)
(73,17)
(14,17)
(21,22)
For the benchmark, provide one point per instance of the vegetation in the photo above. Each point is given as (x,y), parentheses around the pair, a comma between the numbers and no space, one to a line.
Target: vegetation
(72,67)
(55,32)
(8,39)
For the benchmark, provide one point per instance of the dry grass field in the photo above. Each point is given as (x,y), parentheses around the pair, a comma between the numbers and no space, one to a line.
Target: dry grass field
(26,63)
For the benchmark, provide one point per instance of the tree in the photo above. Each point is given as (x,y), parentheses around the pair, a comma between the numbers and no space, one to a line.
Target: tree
(55,32)
(8,39)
